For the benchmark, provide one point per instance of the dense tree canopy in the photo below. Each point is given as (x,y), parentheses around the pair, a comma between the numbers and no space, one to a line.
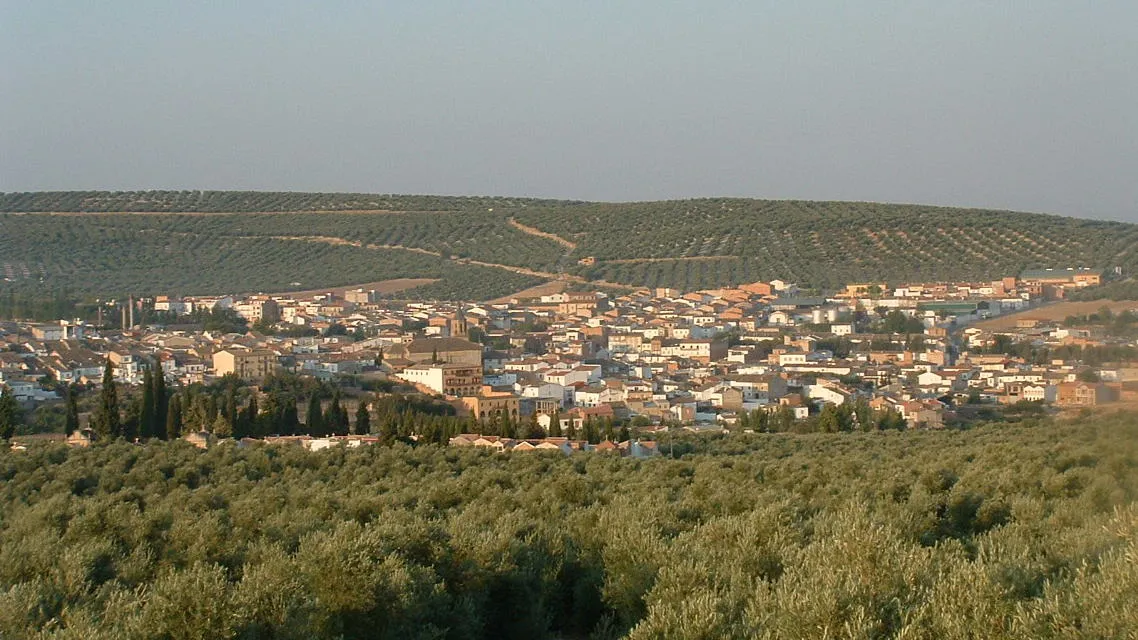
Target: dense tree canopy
(998,532)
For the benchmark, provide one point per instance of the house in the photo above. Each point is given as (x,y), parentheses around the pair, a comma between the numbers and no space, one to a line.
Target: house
(842,329)
(1040,392)
(48,332)
(727,397)
(81,438)
(566,377)
(489,403)
(596,395)
(201,439)
(639,448)
(247,364)
(763,388)
(1082,394)
(923,413)
(832,394)
(448,379)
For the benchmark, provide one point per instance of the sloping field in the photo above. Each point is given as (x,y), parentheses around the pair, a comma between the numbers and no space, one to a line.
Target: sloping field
(687,244)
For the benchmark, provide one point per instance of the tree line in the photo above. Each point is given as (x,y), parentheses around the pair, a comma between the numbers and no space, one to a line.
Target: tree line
(998,532)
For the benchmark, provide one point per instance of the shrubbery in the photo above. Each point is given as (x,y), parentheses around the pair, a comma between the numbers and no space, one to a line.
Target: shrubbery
(997,532)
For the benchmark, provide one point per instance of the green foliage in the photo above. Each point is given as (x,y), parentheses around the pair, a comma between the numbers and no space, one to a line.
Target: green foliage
(307,238)
(71,400)
(710,242)
(174,423)
(107,255)
(1118,290)
(1093,355)
(362,424)
(11,416)
(106,420)
(996,532)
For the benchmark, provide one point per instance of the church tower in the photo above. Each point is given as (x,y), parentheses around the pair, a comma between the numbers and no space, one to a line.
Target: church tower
(458,326)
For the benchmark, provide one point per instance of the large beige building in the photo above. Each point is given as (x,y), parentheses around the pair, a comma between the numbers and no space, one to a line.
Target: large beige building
(489,403)
(449,379)
(247,364)
(443,350)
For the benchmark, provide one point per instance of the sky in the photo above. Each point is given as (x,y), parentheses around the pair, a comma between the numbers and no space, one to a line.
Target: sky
(1008,105)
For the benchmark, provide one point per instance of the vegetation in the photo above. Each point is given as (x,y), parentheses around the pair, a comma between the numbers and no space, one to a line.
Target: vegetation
(1006,532)
(1036,354)
(1119,290)
(698,243)
(312,239)
(113,255)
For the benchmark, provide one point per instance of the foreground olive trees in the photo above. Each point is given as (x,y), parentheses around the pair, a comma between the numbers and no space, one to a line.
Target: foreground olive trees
(1004,532)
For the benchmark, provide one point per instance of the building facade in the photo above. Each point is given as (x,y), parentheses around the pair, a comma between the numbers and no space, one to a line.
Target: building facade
(252,364)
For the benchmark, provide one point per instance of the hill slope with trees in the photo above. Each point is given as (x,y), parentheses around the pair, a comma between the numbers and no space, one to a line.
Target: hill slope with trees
(258,241)
(1023,531)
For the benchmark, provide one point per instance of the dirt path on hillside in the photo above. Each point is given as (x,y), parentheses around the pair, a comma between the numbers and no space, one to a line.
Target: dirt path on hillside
(679,259)
(534,231)
(344,242)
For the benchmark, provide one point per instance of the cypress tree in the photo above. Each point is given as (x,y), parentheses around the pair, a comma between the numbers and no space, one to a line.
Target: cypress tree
(555,424)
(106,422)
(209,411)
(362,427)
(174,418)
(608,431)
(146,425)
(10,414)
(249,418)
(761,420)
(533,427)
(221,427)
(509,429)
(387,432)
(337,419)
(315,418)
(160,401)
(592,434)
(230,412)
(71,421)
(266,418)
(289,422)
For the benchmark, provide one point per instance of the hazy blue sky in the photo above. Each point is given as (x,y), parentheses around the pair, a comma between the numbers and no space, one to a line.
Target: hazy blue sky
(1027,105)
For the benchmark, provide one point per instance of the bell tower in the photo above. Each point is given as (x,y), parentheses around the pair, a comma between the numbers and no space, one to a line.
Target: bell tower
(458,326)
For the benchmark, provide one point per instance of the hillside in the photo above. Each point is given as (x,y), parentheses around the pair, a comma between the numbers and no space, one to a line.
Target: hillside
(480,248)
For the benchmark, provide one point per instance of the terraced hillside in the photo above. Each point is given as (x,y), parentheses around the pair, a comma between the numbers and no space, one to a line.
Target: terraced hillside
(480,248)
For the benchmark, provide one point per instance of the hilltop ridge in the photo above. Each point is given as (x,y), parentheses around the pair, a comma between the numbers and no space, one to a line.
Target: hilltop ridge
(484,247)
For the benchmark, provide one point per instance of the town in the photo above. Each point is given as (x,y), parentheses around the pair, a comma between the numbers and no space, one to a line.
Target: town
(583,370)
